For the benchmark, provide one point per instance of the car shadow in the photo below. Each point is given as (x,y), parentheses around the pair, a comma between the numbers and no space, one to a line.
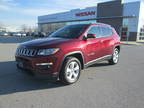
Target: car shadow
(14,39)
(12,80)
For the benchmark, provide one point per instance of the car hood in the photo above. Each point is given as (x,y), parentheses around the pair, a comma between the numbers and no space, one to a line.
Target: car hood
(44,43)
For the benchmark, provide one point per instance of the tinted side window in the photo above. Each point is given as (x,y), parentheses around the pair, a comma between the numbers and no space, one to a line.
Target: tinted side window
(106,31)
(95,30)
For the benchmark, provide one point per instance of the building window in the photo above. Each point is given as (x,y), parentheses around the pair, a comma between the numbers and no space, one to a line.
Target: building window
(124,30)
(125,22)
(141,34)
(48,28)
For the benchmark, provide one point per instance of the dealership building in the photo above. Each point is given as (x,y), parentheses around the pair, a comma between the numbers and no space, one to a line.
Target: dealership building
(126,18)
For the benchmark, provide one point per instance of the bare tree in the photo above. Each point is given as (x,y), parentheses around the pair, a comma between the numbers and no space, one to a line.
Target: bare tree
(2,27)
(24,28)
(35,29)
(29,29)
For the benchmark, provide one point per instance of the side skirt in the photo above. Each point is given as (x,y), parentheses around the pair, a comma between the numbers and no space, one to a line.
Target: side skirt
(107,57)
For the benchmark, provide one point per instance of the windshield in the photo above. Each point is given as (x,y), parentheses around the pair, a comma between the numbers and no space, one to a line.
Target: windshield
(70,31)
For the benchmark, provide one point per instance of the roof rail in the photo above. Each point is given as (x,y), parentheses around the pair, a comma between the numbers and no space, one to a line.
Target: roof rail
(101,24)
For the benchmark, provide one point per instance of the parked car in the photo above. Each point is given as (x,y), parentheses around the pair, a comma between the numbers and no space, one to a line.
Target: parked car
(29,33)
(38,34)
(16,34)
(11,33)
(35,34)
(23,34)
(69,50)
(4,34)
(42,34)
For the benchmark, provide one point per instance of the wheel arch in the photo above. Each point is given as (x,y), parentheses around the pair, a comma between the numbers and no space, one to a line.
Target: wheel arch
(77,54)
(118,47)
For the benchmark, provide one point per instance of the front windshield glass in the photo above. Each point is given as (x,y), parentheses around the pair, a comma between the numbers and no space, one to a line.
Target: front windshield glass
(70,31)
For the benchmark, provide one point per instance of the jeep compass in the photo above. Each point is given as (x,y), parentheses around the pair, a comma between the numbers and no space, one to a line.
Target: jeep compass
(68,50)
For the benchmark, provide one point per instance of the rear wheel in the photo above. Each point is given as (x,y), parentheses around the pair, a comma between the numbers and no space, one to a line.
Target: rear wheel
(70,71)
(115,57)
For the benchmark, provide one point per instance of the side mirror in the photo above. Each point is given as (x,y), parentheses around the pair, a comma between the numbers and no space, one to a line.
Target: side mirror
(91,36)
(84,38)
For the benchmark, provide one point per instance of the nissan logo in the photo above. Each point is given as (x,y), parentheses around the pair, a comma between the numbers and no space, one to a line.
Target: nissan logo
(85,13)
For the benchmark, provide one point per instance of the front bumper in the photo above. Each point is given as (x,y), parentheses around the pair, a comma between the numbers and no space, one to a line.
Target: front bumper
(31,72)
(39,67)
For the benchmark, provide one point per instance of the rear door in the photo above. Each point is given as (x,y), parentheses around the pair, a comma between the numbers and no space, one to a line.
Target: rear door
(107,40)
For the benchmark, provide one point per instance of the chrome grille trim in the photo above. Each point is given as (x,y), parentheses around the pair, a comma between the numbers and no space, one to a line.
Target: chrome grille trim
(26,52)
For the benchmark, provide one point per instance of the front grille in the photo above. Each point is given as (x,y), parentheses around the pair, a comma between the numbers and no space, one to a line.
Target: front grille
(26,52)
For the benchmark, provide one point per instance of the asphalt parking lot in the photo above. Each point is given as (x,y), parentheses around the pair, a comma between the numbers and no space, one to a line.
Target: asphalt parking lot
(100,86)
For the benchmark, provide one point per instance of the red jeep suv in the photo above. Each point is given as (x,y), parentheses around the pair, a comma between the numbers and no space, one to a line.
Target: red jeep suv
(66,51)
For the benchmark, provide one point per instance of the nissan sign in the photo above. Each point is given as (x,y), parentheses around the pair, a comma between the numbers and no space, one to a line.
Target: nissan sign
(90,13)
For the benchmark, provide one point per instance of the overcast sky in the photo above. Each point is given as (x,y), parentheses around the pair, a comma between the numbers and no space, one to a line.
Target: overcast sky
(14,13)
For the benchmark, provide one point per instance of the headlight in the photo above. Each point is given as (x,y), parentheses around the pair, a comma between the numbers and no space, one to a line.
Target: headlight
(48,51)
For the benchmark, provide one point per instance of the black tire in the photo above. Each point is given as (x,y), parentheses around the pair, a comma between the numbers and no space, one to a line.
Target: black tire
(115,57)
(64,75)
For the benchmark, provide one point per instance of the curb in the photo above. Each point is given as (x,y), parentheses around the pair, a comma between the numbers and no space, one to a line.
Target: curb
(132,43)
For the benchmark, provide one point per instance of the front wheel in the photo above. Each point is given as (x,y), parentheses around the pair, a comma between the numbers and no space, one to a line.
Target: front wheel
(70,71)
(115,57)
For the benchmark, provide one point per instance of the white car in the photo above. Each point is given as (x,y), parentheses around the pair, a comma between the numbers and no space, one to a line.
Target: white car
(16,34)
(23,34)
(4,34)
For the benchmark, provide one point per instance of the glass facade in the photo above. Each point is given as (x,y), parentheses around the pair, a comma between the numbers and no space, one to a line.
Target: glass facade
(48,28)
(125,22)
(141,34)
(82,22)
(124,30)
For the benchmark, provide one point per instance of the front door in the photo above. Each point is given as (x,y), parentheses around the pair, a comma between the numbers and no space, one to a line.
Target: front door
(93,45)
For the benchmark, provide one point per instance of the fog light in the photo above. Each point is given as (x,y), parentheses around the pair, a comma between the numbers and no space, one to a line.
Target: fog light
(44,66)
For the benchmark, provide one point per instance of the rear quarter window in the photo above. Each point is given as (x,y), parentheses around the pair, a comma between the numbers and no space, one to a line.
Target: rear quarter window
(106,31)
